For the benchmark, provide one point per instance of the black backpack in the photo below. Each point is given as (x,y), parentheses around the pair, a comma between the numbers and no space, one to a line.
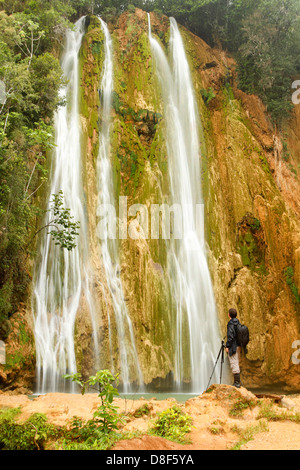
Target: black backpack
(242,336)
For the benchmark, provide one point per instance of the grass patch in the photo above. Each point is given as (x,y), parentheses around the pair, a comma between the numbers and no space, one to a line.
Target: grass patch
(240,406)
(268,412)
(247,434)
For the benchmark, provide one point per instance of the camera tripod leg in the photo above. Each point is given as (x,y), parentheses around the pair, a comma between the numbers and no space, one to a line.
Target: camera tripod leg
(222,361)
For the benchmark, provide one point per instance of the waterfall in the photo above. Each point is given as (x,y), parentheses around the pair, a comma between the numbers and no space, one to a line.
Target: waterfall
(62,276)
(62,279)
(197,333)
(128,359)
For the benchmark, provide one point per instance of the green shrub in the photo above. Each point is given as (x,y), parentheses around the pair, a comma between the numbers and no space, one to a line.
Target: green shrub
(30,435)
(142,411)
(87,435)
(207,95)
(173,424)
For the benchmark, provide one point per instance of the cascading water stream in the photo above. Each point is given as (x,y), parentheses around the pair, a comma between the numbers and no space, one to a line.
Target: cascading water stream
(62,276)
(196,315)
(130,370)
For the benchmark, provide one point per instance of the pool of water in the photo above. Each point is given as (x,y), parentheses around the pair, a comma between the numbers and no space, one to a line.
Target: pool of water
(183,397)
(180,397)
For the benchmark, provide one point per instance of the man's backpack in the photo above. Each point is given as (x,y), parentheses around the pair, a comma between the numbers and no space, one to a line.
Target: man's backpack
(242,336)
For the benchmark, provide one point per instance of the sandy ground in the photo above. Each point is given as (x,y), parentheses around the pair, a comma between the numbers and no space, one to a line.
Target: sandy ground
(214,428)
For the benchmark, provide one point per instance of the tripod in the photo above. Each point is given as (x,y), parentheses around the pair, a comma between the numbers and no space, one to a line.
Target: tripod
(221,354)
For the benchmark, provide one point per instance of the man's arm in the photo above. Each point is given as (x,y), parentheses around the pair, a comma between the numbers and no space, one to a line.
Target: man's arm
(230,336)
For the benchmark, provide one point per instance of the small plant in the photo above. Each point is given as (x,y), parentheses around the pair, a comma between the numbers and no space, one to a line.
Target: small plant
(62,227)
(216,430)
(239,406)
(285,151)
(217,427)
(255,224)
(99,432)
(131,8)
(173,424)
(207,95)
(142,411)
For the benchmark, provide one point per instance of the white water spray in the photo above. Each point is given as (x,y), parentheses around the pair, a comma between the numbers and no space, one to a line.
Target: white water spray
(62,276)
(196,315)
(129,364)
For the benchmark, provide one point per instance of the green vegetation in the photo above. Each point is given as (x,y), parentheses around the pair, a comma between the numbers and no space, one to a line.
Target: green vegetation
(263,35)
(289,277)
(173,424)
(99,432)
(251,244)
(29,435)
(30,39)
(268,412)
(143,410)
(239,406)
(64,230)
(207,95)
(32,77)
(247,434)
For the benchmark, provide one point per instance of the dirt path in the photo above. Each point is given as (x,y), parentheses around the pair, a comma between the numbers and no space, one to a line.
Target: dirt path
(217,425)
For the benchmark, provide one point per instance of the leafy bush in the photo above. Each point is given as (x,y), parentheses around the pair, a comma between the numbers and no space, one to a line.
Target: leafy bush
(173,424)
(142,411)
(65,230)
(30,435)
(207,95)
(87,435)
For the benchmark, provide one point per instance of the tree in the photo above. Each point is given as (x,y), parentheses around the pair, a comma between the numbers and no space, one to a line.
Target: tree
(263,36)
(106,418)
(268,57)
(63,229)
(31,77)
(27,36)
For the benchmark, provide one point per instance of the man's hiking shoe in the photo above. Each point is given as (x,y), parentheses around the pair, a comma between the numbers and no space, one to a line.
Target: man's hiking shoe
(237,381)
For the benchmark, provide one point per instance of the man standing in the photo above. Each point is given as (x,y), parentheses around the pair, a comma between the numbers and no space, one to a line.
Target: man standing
(232,347)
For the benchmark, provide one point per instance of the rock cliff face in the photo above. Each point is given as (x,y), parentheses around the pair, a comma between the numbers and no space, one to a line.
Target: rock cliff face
(252,205)
(253,221)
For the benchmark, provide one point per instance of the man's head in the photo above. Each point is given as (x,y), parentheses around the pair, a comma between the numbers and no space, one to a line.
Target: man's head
(232,313)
